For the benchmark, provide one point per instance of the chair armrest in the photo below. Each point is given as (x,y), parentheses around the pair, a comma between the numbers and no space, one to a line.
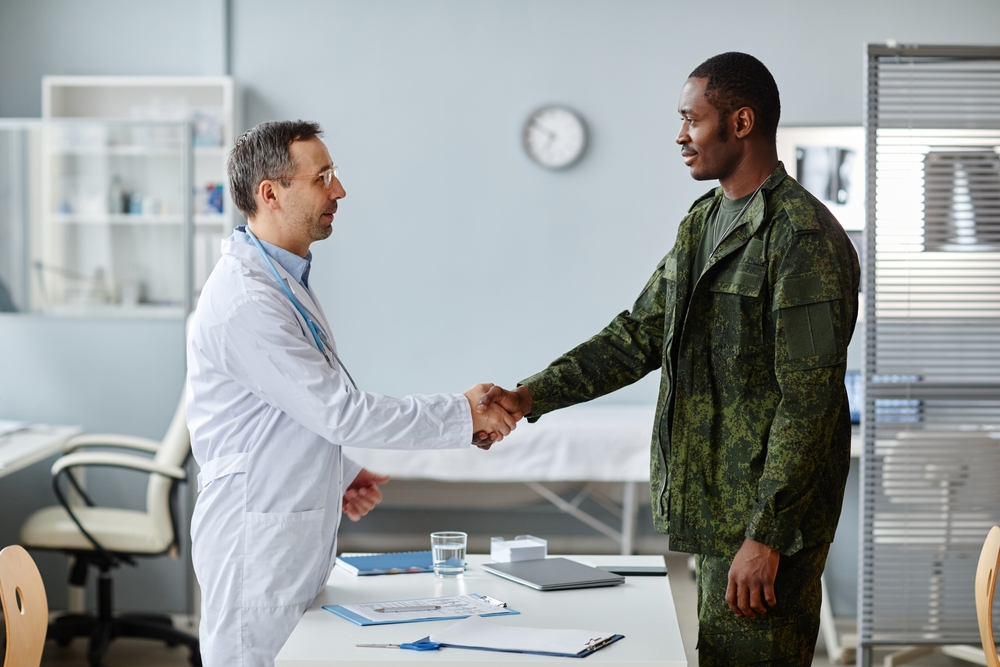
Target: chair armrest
(115,460)
(111,440)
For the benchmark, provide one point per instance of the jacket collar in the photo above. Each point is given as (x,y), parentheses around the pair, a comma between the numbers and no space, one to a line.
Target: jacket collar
(297,266)
(753,216)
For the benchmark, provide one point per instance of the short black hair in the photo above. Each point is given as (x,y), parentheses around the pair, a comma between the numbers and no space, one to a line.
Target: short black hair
(260,154)
(738,80)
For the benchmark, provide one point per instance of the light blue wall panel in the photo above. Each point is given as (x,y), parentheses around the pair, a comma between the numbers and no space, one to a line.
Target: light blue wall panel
(39,37)
(454,258)
(105,375)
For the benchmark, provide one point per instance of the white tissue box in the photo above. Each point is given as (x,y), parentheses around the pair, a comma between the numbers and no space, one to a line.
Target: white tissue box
(522,547)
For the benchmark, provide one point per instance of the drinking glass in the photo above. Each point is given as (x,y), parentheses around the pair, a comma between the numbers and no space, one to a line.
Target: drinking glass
(448,553)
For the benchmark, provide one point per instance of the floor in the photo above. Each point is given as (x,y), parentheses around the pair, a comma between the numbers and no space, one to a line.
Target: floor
(127,653)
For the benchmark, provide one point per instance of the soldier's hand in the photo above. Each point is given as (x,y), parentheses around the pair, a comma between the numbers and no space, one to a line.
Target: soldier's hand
(751,579)
(517,403)
(491,424)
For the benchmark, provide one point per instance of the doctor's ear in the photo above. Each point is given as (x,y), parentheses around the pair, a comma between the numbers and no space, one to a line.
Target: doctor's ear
(268,195)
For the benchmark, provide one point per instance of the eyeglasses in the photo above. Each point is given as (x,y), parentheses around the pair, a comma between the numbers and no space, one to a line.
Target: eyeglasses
(326,176)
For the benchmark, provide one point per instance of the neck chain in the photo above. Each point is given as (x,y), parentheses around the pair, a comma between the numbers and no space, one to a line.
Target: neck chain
(719,238)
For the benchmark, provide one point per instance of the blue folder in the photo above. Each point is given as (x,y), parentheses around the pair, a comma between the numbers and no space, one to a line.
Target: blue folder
(393,563)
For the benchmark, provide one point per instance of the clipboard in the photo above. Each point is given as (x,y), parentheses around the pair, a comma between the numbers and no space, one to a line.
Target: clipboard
(582,654)
(481,635)
(446,609)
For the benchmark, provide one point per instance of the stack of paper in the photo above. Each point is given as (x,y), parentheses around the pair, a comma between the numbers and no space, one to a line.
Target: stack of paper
(485,635)
(522,547)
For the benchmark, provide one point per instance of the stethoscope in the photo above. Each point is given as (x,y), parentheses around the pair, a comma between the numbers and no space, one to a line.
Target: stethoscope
(319,336)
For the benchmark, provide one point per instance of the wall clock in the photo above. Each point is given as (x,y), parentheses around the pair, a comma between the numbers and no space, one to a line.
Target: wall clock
(554,136)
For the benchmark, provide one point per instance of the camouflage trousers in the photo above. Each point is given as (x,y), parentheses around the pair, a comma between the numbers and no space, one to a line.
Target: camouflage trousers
(783,637)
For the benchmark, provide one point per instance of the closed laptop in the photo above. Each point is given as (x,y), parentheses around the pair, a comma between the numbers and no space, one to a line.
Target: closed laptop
(553,574)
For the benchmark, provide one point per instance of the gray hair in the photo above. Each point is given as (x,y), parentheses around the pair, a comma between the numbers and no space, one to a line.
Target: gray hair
(261,154)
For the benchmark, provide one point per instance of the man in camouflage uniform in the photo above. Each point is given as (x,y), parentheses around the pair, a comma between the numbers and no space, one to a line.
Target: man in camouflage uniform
(748,317)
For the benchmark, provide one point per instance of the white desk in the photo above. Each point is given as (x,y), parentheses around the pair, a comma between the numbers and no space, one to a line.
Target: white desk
(22,448)
(587,442)
(642,609)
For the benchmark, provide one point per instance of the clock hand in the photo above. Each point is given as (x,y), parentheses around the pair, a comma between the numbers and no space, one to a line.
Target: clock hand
(538,127)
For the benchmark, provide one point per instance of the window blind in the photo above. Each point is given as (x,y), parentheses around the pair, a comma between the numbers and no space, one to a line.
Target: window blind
(931,424)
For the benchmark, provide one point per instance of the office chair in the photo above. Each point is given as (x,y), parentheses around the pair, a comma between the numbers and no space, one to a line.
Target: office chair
(105,538)
(986,584)
(25,609)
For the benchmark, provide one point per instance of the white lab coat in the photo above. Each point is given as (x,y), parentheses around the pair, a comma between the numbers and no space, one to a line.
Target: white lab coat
(268,417)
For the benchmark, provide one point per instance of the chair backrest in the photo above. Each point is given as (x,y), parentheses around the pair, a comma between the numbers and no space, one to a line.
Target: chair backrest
(986,583)
(25,608)
(173,450)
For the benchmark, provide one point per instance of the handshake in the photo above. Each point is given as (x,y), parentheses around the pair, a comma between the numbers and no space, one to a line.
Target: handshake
(495,412)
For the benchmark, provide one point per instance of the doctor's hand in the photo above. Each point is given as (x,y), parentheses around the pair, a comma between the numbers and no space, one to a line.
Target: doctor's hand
(363,494)
(489,425)
(517,403)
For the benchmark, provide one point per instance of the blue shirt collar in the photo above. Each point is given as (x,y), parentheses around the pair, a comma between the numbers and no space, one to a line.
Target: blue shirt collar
(289,261)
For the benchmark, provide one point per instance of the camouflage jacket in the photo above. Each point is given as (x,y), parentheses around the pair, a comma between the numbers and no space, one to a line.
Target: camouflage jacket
(752,432)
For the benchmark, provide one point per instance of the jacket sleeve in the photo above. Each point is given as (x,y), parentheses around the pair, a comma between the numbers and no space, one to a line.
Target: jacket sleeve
(622,353)
(814,307)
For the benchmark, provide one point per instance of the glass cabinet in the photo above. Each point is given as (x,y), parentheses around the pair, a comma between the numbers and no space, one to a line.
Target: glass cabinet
(115,201)
(96,217)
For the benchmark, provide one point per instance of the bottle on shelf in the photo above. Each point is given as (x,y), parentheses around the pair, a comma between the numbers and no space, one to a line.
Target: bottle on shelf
(116,196)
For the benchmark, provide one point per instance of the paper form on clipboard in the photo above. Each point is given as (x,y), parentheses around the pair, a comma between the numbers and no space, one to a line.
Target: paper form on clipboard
(424,609)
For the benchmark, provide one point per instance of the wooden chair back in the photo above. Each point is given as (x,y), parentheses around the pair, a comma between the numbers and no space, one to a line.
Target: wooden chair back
(25,608)
(986,584)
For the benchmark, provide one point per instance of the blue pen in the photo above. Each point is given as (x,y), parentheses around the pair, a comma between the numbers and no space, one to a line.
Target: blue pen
(421,645)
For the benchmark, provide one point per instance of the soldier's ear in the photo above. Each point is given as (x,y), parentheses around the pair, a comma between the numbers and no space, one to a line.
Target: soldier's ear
(743,119)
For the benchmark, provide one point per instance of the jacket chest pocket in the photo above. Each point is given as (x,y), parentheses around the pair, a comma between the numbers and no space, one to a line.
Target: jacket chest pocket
(737,311)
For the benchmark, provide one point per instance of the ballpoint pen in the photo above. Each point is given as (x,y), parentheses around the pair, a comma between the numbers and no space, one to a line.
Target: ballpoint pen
(423,607)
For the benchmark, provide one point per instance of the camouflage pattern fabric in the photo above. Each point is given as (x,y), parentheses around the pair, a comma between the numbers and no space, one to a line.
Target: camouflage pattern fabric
(752,434)
(783,637)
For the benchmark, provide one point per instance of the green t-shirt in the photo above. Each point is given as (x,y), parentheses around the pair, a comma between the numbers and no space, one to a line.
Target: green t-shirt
(717,222)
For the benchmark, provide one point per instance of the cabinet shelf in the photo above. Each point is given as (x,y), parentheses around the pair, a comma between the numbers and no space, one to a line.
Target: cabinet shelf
(137,150)
(116,219)
(135,219)
(139,311)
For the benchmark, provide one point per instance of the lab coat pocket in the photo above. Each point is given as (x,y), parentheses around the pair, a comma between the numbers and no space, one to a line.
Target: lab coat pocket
(281,557)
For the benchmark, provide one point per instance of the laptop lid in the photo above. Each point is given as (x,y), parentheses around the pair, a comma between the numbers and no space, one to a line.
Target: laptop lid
(552,574)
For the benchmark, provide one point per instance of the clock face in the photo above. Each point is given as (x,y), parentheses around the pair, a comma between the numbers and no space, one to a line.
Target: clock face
(554,137)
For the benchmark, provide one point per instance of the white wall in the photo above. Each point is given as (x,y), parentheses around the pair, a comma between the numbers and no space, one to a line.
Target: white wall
(455,259)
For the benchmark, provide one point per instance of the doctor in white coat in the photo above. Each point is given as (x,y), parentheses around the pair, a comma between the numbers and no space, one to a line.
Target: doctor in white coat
(270,405)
